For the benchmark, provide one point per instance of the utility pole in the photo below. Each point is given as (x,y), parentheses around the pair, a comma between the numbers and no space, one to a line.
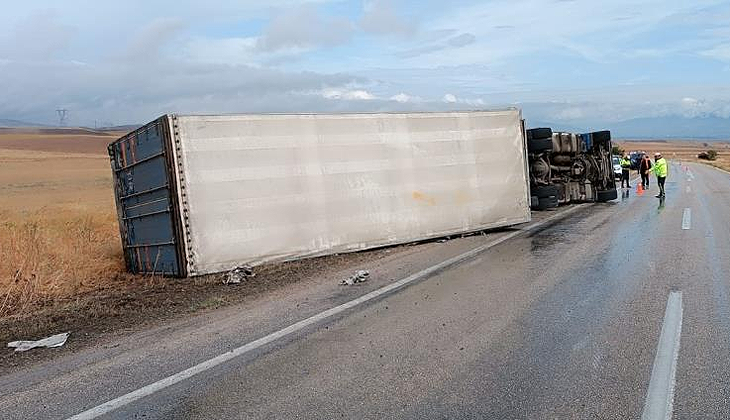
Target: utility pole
(62,116)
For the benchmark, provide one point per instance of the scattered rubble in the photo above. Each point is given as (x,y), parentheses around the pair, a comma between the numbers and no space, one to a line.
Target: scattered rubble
(239,274)
(49,342)
(359,277)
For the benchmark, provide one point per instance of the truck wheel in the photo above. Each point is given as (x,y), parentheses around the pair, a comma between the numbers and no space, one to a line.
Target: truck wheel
(601,136)
(539,133)
(545,191)
(608,195)
(547,203)
(539,145)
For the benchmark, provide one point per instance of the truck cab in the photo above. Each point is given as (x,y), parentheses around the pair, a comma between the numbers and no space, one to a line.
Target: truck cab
(570,167)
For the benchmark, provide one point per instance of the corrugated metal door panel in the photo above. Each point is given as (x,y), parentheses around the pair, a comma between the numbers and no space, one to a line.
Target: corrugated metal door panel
(144,201)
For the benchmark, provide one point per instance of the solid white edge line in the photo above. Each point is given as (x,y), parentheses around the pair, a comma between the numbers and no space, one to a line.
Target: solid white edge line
(150,389)
(659,402)
(687,219)
(716,168)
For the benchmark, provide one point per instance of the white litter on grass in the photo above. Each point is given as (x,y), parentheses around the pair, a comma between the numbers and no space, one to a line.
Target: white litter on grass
(49,342)
(359,277)
(238,274)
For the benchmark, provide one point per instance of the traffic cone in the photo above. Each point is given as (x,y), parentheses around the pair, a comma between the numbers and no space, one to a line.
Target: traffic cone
(639,188)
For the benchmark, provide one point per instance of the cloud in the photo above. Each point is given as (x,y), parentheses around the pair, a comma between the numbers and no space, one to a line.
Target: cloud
(147,42)
(457,41)
(305,27)
(127,92)
(402,98)
(350,95)
(720,52)
(113,63)
(462,40)
(380,18)
(449,98)
(221,50)
(40,36)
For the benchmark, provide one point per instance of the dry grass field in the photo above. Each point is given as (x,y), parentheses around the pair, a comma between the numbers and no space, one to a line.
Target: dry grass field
(683,149)
(58,229)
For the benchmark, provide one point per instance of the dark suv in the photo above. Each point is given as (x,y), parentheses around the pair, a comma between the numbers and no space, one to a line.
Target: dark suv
(635,158)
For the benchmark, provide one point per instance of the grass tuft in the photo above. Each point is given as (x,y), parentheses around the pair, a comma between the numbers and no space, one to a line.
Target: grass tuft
(55,253)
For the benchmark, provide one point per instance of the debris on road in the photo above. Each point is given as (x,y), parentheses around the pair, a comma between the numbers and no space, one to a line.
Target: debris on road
(49,342)
(359,277)
(239,274)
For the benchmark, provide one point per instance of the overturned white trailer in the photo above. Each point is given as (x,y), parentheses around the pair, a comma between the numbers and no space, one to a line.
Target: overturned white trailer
(204,194)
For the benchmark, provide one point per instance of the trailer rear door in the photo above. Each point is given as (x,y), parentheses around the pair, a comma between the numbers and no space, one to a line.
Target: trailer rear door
(145,197)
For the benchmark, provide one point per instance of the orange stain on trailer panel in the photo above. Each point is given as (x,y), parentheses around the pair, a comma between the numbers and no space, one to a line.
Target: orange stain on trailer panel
(462,197)
(423,197)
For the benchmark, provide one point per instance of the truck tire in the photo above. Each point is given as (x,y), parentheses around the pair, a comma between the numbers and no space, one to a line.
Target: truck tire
(539,145)
(539,133)
(601,136)
(545,191)
(608,195)
(546,203)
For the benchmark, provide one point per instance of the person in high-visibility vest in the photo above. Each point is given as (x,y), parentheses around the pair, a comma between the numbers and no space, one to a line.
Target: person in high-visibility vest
(625,166)
(661,170)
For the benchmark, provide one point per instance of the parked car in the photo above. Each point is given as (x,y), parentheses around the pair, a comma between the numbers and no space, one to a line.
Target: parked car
(616,160)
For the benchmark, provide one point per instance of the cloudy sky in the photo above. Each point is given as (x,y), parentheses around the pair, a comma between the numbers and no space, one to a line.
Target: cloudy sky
(566,61)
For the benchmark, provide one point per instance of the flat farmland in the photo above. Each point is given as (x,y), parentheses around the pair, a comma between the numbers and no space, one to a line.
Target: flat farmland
(685,150)
(58,229)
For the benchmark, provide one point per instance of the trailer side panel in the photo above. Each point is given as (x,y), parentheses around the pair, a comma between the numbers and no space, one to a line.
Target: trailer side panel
(271,187)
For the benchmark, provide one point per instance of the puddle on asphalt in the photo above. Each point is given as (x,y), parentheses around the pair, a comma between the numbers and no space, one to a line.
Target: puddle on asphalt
(556,234)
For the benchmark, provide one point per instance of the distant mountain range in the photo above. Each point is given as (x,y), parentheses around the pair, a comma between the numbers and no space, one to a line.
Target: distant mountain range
(669,127)
(17,123)
(9,123)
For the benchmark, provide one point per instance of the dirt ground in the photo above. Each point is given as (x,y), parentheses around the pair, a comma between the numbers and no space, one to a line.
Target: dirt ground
(56,140)
(683,149)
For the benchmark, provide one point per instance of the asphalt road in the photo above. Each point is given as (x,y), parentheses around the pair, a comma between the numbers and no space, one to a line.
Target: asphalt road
(568,320)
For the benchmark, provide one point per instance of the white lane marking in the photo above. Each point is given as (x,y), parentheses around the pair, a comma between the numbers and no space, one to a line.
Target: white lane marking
(660,395)
(687,219)
(150,389)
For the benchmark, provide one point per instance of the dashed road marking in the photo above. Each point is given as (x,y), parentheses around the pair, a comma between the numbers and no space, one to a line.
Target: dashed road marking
(687,219)
(659,402)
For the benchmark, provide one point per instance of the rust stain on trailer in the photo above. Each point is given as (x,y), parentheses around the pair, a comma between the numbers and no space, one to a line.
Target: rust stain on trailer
(148,262)
(138,263)
(423,197)
(124,154)
(133,148)
(462,197)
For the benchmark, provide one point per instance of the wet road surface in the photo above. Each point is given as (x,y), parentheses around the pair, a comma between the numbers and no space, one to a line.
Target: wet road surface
(571,320)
